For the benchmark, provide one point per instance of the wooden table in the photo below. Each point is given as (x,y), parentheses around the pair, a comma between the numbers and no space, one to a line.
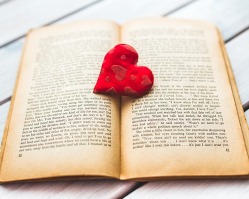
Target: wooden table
(18,16)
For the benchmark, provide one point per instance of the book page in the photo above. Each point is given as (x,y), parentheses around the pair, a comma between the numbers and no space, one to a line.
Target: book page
(240,111)
(57,126)
(187,125)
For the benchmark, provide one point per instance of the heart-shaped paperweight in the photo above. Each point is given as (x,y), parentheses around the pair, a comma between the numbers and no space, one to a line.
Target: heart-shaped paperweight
(120,74)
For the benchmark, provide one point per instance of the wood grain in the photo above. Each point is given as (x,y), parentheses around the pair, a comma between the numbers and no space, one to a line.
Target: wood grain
(4,109)
(123,10)
(17,17)
(193,189)
(66,189)
(237,50)
(10,54)
(99,11)
(231,16)
(247,116)
(9,60)
(226,14)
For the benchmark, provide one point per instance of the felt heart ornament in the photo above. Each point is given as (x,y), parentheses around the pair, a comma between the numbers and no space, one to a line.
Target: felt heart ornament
(120,74)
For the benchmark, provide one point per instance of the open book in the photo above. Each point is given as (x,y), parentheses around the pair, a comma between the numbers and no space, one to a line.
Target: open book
(191,124)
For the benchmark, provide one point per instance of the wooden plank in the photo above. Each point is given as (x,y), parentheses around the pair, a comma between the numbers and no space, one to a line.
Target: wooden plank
(247,116)
(123,10)
(10,54)
(3,1)
(238,50)
(246,106)
(193,189)
(9,59)
(4,109)
(66,189)
(17,17)
(226,23)
(231,16)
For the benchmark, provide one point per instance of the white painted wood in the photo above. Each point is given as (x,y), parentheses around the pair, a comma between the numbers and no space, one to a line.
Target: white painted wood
(238,49)
(120,11)
(193,189)
(9,60)
(123,10)
(18,16)
(247,116)
(3,1)
(231,16)
(66,189)
(10,55)
(4,109)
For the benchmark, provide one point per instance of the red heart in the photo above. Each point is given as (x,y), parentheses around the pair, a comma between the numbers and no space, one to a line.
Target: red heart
(120,74)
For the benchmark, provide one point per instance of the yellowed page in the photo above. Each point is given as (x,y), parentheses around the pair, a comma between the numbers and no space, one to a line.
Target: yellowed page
(188,124)
(240,111)
(57,126)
